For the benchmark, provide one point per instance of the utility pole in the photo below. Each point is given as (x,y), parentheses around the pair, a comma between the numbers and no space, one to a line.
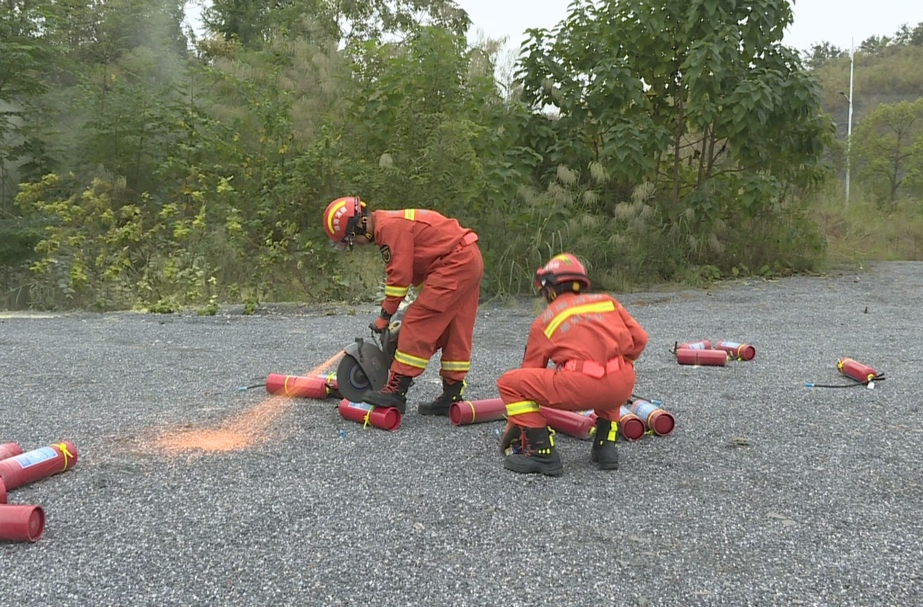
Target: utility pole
(852,54)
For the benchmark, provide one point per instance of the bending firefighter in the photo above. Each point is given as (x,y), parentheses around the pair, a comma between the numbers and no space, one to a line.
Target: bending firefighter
(442,259)
(592,342)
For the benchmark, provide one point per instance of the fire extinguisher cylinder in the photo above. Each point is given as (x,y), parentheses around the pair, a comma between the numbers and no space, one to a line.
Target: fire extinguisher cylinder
(630,425)
(703,344)
(570,423)
(9,450)
(386,418)
(736,350)
(466,412)
(21,523)
(35,465)
(297,386)
(657,420)
(711,358)
(856,370)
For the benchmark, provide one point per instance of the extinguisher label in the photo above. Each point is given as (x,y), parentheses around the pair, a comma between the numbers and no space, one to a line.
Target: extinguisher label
(730,344)
(36,457)
(363,406)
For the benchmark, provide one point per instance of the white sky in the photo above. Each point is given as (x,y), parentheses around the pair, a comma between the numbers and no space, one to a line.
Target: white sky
(834,21)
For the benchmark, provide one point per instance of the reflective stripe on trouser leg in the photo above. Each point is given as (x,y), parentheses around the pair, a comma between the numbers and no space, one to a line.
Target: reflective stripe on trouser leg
(526,414)
(455,365)
(411,361)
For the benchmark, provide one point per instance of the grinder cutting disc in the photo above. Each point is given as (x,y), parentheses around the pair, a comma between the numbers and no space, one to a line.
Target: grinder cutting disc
(363,367)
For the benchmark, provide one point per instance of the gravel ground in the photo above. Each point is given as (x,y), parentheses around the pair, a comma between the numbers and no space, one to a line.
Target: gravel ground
(767,493)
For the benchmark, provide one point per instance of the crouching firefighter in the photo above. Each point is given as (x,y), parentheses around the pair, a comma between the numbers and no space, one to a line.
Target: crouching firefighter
(439,256)
(592,343)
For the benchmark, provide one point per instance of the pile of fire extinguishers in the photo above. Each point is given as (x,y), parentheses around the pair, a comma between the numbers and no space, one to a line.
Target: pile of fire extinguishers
(25,523)
(639,417)
(717,354)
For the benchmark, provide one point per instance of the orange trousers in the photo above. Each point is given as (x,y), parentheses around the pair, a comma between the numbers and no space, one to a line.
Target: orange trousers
(442,317)
(567,390)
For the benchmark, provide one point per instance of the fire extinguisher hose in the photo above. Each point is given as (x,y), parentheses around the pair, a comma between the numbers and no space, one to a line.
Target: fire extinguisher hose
(855,385)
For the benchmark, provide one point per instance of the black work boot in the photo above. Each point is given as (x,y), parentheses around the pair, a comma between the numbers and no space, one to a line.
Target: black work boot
(605,450)
(393,394)
(451,393)
(538,455)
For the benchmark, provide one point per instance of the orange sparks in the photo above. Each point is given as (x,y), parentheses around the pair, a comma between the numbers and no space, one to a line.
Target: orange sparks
(242,431)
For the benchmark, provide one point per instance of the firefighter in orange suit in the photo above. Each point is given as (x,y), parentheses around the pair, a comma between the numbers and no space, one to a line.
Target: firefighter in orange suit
(442,259)
(592,343)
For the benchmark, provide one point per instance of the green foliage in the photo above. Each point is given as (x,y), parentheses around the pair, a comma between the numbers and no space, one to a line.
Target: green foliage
(864,232)
(18,238)
(254,23)
(659,142)
(822,53)
(887,77)
(701,102)
(209,309)
(162,307)
(885,145)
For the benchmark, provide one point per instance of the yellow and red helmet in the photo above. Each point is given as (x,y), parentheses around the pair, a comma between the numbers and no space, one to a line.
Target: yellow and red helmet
(563,272)
(343,219)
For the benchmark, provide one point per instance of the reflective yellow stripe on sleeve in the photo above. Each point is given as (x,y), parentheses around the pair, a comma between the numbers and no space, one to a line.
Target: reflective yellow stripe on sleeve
(593,308)
(392,291)
(521,407)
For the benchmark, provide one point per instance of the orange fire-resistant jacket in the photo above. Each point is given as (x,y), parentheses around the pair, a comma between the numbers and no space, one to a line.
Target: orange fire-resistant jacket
(592,343)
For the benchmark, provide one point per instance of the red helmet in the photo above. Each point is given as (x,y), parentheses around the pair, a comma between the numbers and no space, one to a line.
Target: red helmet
(559,272)
(343,219)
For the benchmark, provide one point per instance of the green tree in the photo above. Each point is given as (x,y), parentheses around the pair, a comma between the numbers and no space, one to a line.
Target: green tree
(26,59)
(882,148)
(700,99)
(255,22)
(821,53)
(416,117)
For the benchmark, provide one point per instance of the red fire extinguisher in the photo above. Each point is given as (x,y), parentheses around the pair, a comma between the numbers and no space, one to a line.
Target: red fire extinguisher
(694,345)
(736,350)
(297,386)
(2,492)
(21,523)
(857,371)
(656,419)
(570,422)
(465,412)
(386,418)
(35,465)
(712,358)
(630,425)
(9,450)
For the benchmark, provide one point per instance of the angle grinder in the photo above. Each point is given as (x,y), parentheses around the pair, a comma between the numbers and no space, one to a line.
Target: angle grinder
(365,363)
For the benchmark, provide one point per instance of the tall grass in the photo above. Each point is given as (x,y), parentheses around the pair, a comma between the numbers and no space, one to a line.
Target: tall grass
(864,231)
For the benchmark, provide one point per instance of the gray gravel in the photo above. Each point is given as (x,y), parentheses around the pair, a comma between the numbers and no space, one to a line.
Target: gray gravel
(767,493)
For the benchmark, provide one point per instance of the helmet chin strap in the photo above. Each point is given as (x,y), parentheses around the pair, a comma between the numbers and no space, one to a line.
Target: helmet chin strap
(364,228)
